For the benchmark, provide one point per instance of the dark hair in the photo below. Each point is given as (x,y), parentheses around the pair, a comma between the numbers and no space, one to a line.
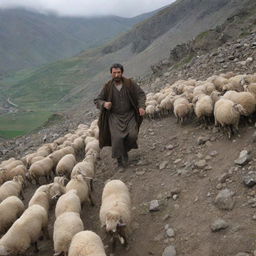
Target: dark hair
(117,65)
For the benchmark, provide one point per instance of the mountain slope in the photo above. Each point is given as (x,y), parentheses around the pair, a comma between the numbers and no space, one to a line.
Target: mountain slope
(30,39)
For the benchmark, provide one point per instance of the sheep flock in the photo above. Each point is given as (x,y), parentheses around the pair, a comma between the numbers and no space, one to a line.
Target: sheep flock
(224,99)
(67,167)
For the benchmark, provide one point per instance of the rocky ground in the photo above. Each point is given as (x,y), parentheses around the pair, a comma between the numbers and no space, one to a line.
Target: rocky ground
(192,193)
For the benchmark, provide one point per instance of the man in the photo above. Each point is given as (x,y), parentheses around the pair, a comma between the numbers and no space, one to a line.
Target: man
(122,105)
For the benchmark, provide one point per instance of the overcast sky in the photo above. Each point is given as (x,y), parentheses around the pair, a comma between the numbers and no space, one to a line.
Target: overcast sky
(124,8)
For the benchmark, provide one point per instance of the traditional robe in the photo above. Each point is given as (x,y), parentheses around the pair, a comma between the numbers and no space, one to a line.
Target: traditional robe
(119,126)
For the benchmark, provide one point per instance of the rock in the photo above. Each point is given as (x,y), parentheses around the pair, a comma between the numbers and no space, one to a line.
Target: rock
(213,153)
(244,158)
(200,164)
(250,180)
(224,177)
(170,232)
(163,165)
(242,254)
(154,206)
(224,200)
(218,225)
(177,161)
(170,147)
(140,173)
(202,140)
(169,251)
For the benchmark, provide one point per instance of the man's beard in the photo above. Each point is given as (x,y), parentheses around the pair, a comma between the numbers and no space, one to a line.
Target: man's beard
(117,79)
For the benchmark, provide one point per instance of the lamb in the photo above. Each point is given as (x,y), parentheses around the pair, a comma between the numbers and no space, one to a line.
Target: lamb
(65,227)
(115,211)
(65,165)
(58,154)
(25,231)
(12,188)
(227,114)
(246,99)
(45,193)
(68,202)
(86,168)
(18,170)
(203,107)
(235,83)
(79,184)
(182,109)
(42,168)
(78,145)
(86,243)
(10,209)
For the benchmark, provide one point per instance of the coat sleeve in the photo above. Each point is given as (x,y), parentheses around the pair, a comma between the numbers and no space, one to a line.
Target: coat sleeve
(141,96)
(100,99)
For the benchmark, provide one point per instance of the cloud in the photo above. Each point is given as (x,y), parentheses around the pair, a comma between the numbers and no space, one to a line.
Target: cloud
(125,8)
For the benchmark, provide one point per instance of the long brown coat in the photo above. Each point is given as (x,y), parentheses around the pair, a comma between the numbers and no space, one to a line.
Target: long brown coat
(137,99)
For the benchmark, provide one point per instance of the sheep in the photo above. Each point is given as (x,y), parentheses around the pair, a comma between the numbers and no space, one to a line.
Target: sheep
(203,107)
(18,170)
(45,193)
(86,168)
(251,88)
(60,140)
(65,227)
(78,145)
(79,184)
(10,209)
(227,114)
(249,79)
(235,84)
(219,82)
(5,162)
(58,154)
(65,165)
(93,144)
(25,231)
(86,243)
(68,202)
(9,166)
(115,210)
(12,188)
(246,99)
(46,149)
(35,159)
(182,109)
(41,168)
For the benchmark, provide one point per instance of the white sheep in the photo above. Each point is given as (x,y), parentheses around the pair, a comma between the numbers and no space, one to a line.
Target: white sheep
(45,193)
(41,168)
(58,154)
(12,188)
(68,202)
(78,145)
(18,170)
(86,243)
(235,83)
(65,165)
(80,185)
(182,109)
(65,227)
(227,114)
(203,107)
(115,210)
(25,231)
(10,209)
(246,99)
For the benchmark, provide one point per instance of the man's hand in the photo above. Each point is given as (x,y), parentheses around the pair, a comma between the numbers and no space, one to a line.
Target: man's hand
(107,105)
(142,111)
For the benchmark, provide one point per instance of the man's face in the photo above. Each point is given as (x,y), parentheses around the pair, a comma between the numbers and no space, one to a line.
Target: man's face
(116,74)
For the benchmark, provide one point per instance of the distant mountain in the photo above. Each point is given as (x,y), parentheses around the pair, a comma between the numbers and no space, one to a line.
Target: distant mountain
(29,39)
(74,82)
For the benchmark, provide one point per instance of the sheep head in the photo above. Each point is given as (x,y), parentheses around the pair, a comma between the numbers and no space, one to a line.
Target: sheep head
(240,109)
(112,221)
(56,190)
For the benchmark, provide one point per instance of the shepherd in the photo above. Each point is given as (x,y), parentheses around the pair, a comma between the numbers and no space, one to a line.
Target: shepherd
(122,107)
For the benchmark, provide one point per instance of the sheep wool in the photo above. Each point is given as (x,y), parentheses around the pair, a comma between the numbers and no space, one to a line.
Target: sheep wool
(86,243)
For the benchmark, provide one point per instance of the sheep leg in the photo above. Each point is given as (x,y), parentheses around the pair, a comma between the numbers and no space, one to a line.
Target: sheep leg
(91,184)
(123,237)
(21,195)
(90,200)
(35,247)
